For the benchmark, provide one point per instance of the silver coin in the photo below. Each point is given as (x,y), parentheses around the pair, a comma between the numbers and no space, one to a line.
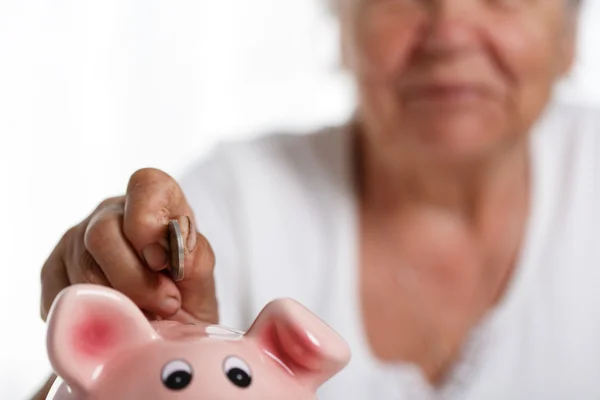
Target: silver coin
(177,251)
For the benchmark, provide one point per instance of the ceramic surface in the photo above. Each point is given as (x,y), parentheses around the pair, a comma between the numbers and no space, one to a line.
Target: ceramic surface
(102,347)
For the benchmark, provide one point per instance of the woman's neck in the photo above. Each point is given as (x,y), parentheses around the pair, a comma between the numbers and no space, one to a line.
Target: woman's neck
(474,191)
(487,202)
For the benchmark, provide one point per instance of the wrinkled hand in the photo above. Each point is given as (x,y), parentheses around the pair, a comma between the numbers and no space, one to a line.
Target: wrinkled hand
(123,244)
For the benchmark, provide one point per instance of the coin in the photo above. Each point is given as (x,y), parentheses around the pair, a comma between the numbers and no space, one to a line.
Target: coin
(176,249)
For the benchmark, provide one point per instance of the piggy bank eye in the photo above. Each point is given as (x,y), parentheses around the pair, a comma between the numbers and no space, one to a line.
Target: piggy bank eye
(237,372)
(177,375)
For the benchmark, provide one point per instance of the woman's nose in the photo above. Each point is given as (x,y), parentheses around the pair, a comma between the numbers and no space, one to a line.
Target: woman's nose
(451,27)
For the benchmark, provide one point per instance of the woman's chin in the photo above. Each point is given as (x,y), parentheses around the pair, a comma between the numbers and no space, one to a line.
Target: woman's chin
(460,140)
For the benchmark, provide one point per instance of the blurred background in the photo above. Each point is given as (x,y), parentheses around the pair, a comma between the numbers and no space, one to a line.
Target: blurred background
(91,91)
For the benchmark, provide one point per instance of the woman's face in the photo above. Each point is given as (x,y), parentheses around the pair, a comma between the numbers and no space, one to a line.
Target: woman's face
(455,79)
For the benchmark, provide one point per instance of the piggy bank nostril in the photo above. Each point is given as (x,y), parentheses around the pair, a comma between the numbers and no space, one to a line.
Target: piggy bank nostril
(177,375)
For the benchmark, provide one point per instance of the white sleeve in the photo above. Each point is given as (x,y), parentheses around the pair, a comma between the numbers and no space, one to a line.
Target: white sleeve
(210,188)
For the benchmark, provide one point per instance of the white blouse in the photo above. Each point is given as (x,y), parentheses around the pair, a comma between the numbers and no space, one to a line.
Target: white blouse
(280,214)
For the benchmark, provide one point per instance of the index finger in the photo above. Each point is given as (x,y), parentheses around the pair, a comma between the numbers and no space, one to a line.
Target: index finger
(153,198)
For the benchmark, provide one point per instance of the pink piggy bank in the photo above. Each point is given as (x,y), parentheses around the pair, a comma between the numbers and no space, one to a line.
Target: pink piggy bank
(101,346)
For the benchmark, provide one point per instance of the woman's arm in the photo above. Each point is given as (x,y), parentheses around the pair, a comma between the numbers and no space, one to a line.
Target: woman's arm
(207,186)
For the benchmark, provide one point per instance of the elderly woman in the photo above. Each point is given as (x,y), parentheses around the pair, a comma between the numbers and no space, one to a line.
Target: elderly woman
(448,231)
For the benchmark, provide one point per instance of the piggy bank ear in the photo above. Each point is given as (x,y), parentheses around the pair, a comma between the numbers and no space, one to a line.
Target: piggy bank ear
(308,347)
(87,326)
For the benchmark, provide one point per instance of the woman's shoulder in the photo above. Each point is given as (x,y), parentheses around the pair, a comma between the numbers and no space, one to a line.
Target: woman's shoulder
(568,132)
(293,156)
(288,147)
(574,119)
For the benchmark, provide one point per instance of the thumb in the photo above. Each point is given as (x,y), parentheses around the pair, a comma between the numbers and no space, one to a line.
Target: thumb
(197,288)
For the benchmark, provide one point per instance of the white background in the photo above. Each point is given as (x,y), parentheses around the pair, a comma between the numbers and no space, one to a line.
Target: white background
(90,91)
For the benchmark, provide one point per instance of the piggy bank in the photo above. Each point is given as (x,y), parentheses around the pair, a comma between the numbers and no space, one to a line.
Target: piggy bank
(101,346)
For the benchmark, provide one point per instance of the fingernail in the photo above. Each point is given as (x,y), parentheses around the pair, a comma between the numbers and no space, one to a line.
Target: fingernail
(155,256)
(169,306)
(191,242)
